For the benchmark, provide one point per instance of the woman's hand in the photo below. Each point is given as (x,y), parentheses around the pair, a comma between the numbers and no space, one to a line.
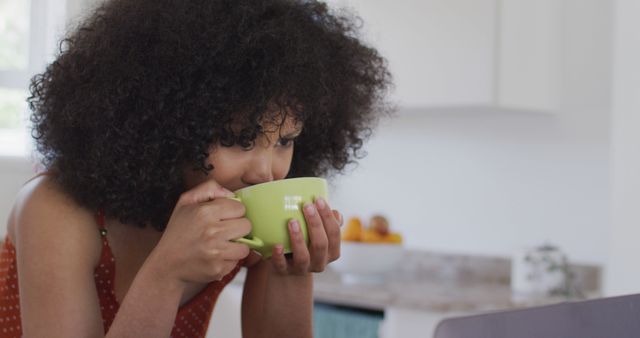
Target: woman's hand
(196,246)
(277,298)
(323,227)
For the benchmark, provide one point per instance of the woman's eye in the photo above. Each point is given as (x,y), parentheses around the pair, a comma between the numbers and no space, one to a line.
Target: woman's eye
(247,147)
(286,142)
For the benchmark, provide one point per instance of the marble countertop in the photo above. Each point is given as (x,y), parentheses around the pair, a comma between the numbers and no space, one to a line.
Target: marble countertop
(432,296)
(473,285)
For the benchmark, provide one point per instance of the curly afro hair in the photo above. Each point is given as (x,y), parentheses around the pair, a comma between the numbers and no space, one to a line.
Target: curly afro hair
(141,90)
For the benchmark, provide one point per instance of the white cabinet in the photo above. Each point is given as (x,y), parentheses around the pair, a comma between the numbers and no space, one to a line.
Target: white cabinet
(440,52)
(448,54)
(529,54)
(400,322)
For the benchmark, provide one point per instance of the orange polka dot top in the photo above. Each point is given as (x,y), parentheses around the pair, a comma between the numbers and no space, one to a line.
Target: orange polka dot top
(192,319)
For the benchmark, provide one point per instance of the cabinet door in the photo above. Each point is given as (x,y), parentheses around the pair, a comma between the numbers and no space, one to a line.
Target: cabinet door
(530,54)
(440,52)
(400,322)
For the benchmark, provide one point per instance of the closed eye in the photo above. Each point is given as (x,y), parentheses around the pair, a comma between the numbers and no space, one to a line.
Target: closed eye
(286,142)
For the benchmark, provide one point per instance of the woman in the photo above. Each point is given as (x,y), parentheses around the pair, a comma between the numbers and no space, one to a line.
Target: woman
(151,114)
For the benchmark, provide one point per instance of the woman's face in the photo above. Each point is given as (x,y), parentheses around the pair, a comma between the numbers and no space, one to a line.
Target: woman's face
(236,167)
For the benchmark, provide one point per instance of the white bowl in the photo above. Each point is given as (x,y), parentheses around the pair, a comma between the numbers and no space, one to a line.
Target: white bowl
(367,262)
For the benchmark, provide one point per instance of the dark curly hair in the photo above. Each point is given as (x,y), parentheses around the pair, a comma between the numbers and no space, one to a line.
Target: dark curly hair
(141,89)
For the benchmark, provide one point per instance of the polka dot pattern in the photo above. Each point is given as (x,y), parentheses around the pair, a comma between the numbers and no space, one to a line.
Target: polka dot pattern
(9,296)
(192,319)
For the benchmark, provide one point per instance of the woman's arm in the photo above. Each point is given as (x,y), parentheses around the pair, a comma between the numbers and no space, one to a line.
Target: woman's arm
(55,257)
(274,305)
(278,293)
(150,306)
(58,247)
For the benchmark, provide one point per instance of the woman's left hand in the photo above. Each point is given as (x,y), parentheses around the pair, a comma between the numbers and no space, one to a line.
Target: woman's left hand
(323,228)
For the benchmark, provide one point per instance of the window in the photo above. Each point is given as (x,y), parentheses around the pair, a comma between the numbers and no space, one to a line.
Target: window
(29,30)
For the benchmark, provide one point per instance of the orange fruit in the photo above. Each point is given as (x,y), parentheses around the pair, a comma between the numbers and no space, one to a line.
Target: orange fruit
(352,230)
(372,236)
(394,237)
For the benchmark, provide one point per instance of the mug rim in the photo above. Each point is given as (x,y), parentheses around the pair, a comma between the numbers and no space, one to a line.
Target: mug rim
(306,178)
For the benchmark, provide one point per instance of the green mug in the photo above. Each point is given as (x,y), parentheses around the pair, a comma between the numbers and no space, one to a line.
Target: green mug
(270,206)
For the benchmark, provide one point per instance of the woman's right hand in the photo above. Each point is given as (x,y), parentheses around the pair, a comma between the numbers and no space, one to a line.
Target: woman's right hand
(197,246)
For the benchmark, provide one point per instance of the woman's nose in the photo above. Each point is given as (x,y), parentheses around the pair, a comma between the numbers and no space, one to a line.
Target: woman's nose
(261,168)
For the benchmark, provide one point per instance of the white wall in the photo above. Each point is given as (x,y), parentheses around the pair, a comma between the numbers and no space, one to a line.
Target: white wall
(14,171)
(485,183)
(622,274)
(77,8)
(492,182)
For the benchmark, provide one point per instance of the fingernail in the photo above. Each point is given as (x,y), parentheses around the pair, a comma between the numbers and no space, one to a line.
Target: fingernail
(279,249)
(320,203)
(308,207)
(295,226)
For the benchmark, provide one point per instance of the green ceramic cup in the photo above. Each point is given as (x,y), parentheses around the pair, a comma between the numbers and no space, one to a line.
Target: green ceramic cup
(270,206)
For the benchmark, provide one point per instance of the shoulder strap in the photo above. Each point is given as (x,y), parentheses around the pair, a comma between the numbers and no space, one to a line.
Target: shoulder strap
(102,224)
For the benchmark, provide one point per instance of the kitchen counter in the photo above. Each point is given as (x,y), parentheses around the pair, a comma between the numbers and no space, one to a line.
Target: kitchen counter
(432,296)
(436,282)
(420,295)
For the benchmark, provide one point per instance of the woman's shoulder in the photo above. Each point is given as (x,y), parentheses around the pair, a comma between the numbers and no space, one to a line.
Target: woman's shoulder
(43,211)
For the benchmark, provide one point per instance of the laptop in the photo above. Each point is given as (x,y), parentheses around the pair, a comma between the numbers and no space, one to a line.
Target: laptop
(613,317)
